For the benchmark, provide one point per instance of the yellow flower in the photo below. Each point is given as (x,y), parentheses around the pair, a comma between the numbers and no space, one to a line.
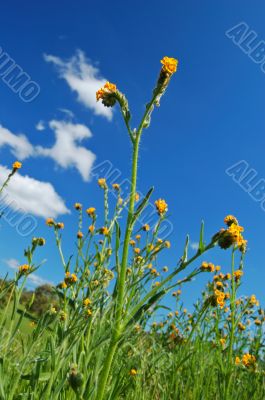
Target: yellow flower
(167,244)
(102,183)
(107,89)
(79,235)
(70,278)
(49,222)
(241,327)
(157,284)
(146,228)
(137,250)
(248,360)
(91,228)
(138,237)
(16,165)
(161,206)
(116,186)
(169,65)
(78,206)
(23,269)
(132,242)
(60,225)
(238,274)
(88,312)
(104,231)
(230,219)
(133,372)
(237,360)
(91,211)
(222,341)
(63,316)
(137,197)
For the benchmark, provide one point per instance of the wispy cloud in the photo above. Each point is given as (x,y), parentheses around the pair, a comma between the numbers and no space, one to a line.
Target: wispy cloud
(34,279)
(30,195)
(82,78)
(19,144)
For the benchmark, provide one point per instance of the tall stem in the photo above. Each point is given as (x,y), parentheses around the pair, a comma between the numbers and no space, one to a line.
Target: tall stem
(117,331)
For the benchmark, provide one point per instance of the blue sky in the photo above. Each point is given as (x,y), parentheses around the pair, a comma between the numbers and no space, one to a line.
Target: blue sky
(211,117)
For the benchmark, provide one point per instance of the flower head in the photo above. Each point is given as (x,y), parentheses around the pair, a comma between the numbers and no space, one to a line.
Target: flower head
(161,206)
(23,269)
(91,211)
(102,183)
(169,65)
(16,165)
(78,206)
(107,94)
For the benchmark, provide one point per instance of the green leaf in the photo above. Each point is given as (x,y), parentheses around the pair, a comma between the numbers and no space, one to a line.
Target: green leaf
(201,242)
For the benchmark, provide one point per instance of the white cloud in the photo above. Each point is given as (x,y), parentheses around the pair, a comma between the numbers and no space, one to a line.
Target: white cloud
(35,279)
(32,196)
(40,126)
(65,150)
(84,79)
(194,245)
(20,146)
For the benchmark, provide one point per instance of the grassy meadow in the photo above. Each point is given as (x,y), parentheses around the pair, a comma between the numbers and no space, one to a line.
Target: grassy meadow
(100,337)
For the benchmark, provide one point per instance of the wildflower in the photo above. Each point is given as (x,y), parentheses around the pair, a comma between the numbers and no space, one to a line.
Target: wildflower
(78,206)
(137,250)
(107,94)
(133,372)
(32,324)
(38,241)
(153,271)
(104,231)
(116,186)
(137,197)
(217,268)
(91,211)
(137,328)
(79,235)
(167,244)
(70,278)
(170,315)
(49,222)
(88,312)
(232,235)
(161,206)
(16,165)
(60,225)
(63,316)
(253,301)
(95,283)
(62,285)
(102,183)
(91,228)
(227,276)
(86,302)
(207,267)
(24,269)
(138,237)
(230,219)
(241,326)
(237,360)
(248,360)
(222,341)
(238,274)
(257,322)
(169,65)
(157,284)
(219,284)
(146,228)
(165,269)
(132,242)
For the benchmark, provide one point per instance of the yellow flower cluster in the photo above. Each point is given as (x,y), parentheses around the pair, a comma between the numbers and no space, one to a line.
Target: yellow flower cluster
(209,267)
(248,360)
(70,279)
(232,235)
